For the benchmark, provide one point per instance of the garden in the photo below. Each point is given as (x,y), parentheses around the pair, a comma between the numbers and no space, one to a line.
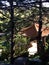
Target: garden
(21,23)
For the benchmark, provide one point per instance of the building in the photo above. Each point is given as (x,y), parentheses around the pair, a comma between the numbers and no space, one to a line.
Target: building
(32,32)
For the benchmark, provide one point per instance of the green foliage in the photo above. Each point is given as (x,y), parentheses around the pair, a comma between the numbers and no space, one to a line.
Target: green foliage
(20,44)
(47,43)
(46,46)
(22,18)
(5,54)
(20,38)
(47,39)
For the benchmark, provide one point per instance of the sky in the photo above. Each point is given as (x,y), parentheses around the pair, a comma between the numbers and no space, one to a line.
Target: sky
(44,4)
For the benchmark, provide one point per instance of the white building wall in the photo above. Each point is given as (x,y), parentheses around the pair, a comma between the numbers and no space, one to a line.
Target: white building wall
(32,50)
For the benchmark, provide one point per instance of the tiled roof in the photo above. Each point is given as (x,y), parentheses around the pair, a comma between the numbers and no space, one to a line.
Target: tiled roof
(32,31)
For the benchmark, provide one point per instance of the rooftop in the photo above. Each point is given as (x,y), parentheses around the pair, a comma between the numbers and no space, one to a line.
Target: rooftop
(32,31)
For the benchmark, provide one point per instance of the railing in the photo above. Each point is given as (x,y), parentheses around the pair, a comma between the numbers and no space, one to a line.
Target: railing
(22,4)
